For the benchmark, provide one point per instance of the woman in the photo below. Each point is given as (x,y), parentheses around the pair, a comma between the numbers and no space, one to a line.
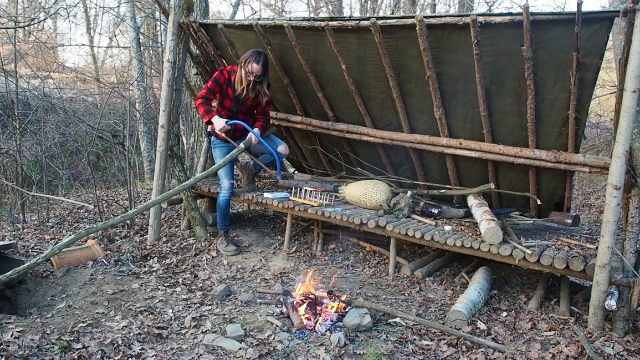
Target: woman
(241,93)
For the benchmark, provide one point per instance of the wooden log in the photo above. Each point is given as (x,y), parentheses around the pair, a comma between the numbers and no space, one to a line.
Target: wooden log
(436,265)
(434,325)
(433,143)
(172,202)
(583,296)
(294,316)
(434,87)
(487,222)
(397,96)
(402,229)
(392,256)
(320,245)
(518,254)
(484,246)
(482,101)
(430,234)
(534,256)
(546,258)
(565,296)
(635,297)
(527,52)
(383,220)
(511,236)
(459,241)
(467,242)
(395,223)
(419,234)
(229,41)
(470,302)
(560,260)
(494,249)
(506,250)
(590,269)
(287,235)
(409,268)
(321,186)
(538,297)
(451,241)
(443,238)
(573,105)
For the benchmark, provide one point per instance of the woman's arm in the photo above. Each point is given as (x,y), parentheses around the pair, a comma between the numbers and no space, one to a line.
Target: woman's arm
(206,96)
(263,117)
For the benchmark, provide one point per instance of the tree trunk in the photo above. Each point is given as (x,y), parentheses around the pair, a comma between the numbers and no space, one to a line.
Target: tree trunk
(165,118)
(465,6)
(234,9)
(142,104)
(92,49)
(615,184)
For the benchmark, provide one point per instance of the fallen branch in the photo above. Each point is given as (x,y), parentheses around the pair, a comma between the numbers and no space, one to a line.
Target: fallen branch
(512,238)
(586,344)
(574,242)
(370,247)
(47,196)
(431,324)
(473,298)
(463,273)
(124,217)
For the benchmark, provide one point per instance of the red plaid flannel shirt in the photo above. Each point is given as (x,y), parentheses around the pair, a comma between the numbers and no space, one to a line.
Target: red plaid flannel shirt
(250,110)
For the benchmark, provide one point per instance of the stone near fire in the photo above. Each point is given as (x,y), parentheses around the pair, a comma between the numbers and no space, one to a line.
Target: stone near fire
(223,291)
(277,287)
(235,332)
(337,339)
(358,319)
(282,335)
(246,298)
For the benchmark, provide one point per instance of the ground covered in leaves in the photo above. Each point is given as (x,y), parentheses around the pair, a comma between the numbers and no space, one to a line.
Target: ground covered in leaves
(159,301)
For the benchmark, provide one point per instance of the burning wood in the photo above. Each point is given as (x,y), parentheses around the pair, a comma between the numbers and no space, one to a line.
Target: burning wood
(319,310)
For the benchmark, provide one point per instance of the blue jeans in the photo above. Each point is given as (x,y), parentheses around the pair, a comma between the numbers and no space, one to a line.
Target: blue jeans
(220,149)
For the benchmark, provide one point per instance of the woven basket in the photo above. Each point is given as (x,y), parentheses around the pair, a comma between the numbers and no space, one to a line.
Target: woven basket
(368,194)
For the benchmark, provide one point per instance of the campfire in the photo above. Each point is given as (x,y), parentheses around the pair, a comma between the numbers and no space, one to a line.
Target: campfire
(318,310)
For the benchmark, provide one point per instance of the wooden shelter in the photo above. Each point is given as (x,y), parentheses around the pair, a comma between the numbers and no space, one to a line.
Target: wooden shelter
(456,100)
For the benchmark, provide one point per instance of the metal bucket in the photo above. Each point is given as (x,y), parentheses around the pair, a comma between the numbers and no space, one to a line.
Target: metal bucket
(77,255)
(564,219)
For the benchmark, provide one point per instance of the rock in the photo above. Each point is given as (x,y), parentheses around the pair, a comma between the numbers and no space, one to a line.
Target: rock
(209,339)
(358,319)
(282,335)
(246,298)
(235,332)
(223,291)
(227,344)
(326,357)
(277,287)
(337,339)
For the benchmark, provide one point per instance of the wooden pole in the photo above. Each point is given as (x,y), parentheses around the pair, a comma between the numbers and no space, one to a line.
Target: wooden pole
(538,297)
(319,92)
(434,87)
(527,52)
(482,101)
(290,90)
(454,20)
(157,201)
(599,163)
(615,185)
(392,256)
(168,84)
(622,69)
(356,96)
(397,96)
(287,233)
(573,104)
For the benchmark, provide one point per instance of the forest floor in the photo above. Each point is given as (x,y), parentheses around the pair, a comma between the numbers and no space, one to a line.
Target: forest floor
(159,301)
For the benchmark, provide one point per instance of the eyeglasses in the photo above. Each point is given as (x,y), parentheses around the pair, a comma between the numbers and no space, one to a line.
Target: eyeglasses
(255,77)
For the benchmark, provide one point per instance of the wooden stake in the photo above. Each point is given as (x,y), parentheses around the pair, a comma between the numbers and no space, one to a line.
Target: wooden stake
(433,325)
(397,96)
(565,296)
(527,52)
(482,101)
(287,234)
(392,256)
(356,96)
(434,87)
(538,297)
(573,105)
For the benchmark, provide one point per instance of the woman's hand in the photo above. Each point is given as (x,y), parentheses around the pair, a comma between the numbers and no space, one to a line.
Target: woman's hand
(219,124)
(254,139)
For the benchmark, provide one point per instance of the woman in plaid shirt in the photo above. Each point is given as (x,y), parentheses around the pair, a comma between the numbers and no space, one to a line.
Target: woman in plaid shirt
(241,93)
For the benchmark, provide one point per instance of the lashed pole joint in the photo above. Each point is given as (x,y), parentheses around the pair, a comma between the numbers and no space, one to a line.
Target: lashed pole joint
(482,101)
(229,41)
(292,92)
(527,52)
(434,87)
(573,104)
(397,97)
(356,96)
(319,92)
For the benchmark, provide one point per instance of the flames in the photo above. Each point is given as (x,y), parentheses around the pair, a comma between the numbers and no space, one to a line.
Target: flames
(320,309)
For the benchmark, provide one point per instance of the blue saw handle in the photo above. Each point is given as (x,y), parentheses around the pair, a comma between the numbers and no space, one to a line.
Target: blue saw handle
(273,152)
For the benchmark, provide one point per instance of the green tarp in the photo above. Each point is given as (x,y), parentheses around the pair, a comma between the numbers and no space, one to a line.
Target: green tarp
(452,52)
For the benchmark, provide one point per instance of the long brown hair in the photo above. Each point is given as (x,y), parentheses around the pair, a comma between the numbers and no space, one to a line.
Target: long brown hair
(254,88)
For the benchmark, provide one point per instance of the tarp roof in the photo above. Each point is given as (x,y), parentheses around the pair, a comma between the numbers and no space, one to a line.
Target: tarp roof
(450,42)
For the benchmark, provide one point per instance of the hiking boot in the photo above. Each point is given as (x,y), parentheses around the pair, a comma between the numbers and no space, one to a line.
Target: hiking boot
(247,175)
(225,245)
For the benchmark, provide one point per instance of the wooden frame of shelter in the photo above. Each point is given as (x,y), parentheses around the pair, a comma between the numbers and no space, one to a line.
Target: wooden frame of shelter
(429,109)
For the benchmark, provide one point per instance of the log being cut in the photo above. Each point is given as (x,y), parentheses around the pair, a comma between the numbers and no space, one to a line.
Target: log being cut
(471,300)
(487,221)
